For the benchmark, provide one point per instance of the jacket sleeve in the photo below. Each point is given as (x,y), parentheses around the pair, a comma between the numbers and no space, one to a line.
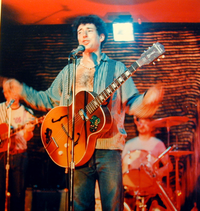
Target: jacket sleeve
(44,100)
(130,95)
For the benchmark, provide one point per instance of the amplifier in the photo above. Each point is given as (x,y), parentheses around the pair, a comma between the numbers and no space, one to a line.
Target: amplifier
(46,200)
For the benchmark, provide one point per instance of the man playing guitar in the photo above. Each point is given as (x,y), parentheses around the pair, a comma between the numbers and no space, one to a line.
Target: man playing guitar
(99,130)
(20,115)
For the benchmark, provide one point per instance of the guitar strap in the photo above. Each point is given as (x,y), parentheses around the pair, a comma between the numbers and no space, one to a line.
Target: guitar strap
(111,71)
(110,74)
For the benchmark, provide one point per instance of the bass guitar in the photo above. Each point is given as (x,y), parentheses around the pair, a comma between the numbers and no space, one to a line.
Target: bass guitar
(4,132)
(91,118)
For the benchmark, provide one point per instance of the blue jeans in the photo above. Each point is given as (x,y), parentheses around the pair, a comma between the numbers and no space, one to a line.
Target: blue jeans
(104,166)
(18,167)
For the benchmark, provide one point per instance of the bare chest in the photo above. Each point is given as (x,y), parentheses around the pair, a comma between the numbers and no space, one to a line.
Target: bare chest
(84,79)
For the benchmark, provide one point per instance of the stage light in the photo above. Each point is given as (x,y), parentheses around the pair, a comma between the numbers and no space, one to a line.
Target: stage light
(123,29)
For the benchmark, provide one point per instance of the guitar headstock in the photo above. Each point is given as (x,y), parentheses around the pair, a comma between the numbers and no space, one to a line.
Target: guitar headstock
(158,59)
(151,54)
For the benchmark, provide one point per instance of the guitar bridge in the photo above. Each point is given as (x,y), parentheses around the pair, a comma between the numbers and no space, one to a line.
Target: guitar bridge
(83,115)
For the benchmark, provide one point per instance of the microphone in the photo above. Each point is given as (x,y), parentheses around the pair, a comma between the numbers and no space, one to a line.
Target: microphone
(10,103)
(79,49)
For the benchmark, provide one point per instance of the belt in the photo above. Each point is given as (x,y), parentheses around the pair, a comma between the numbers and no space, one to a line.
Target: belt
(17,151)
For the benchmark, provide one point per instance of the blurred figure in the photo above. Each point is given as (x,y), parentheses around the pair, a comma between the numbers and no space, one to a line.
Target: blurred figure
(20,115)
(146,140)
(195,207)
(154,147)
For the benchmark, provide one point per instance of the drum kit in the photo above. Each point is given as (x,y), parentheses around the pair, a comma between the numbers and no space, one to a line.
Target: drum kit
(139,178)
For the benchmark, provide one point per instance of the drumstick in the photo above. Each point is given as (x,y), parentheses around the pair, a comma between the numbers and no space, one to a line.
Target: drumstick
(163,154)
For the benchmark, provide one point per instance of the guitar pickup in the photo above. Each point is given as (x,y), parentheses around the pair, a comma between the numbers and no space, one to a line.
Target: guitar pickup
(52,146)
(83,115)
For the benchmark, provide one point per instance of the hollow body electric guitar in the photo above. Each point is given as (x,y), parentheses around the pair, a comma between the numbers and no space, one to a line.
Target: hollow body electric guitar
(91,118)
(4,132)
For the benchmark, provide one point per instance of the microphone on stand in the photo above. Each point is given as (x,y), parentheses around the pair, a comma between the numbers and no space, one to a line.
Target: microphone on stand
(7,193)
(79,49)
(73,54)
(10,103)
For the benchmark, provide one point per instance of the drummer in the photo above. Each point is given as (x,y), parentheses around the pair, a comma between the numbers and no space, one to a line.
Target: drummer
(146,140)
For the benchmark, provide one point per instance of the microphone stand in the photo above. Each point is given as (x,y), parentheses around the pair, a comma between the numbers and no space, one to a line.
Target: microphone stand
(7,194)
(73,54)
(72,164)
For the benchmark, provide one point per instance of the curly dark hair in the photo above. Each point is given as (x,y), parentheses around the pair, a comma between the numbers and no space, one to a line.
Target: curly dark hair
(94,19)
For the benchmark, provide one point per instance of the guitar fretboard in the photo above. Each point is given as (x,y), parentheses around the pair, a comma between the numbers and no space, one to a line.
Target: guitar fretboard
(105,94)
(14,131)
(148,56)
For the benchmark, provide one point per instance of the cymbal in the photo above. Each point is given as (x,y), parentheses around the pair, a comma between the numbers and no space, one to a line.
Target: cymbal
(169,121)
(180,153)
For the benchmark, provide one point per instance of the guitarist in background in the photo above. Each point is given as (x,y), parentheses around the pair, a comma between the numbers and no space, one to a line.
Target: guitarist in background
(18,155)
(94,69)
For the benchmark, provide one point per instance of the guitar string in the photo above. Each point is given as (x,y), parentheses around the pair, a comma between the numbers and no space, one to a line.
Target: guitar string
(78,116)
(59,134)
(15,130)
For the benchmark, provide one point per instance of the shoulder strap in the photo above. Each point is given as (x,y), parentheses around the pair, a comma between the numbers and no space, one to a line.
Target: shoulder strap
(28,110)
(110,74)
(111,71)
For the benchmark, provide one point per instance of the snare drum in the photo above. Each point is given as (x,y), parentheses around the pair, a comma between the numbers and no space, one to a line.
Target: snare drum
(137,169)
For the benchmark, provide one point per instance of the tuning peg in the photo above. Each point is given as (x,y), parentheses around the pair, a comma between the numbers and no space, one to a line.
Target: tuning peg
(158,59)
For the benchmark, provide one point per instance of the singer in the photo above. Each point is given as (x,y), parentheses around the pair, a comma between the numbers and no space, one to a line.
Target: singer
(18,155)
(95,71)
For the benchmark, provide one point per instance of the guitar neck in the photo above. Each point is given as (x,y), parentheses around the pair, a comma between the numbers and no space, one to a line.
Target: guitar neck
(105,94)
(34,122)
(14,131)
(147,57)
